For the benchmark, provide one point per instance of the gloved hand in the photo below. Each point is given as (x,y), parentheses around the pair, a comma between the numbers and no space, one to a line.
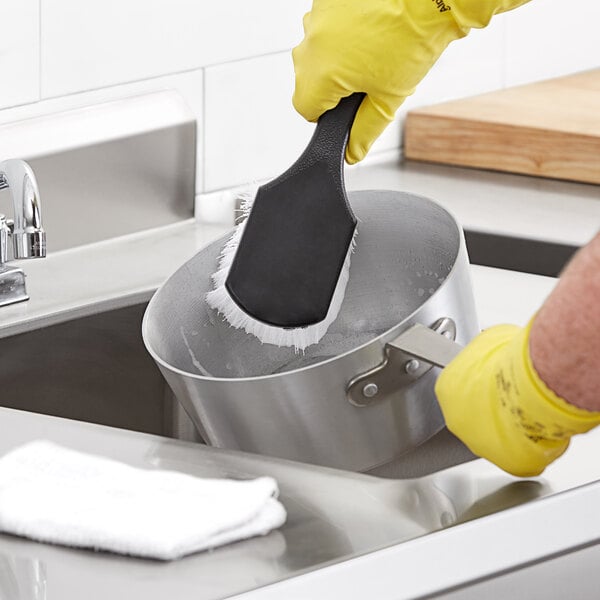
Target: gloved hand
(495,402)
(381,47)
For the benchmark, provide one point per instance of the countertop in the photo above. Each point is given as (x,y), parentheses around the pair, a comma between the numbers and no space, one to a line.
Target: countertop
(521,206)
(103,276)
(128,270)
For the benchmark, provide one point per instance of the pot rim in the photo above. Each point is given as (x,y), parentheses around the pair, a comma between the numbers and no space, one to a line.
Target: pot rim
(379,340)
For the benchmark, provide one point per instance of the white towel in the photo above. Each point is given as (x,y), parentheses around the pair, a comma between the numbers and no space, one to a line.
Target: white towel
(54,494)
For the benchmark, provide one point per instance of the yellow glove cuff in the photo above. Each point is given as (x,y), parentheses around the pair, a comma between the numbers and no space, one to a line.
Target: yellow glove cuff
(495,402)
(536,408)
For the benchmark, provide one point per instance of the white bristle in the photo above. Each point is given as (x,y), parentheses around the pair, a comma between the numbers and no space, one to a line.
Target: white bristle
(219,298)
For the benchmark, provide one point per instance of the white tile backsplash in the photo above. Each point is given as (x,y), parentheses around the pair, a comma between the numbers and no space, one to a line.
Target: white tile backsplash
(91,44)
(549,38)
(469,66)
(230,61)
(97,123)
(189,85)
(19,52)
(251,130)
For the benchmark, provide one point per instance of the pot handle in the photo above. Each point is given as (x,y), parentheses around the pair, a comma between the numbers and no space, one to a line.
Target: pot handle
(427,344)
(406,358)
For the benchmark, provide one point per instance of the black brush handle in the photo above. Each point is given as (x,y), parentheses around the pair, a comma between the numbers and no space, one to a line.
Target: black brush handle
(331,135)
(328,143)
(299,232)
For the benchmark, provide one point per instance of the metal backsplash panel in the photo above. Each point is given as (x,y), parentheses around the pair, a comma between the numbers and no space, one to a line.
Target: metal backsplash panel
(135,170)
(117,187)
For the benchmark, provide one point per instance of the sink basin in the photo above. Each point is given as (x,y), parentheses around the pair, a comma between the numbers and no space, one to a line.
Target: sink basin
(93,369)
(96,369)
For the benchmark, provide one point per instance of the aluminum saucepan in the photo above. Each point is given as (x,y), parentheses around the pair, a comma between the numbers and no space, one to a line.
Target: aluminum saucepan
(354,401)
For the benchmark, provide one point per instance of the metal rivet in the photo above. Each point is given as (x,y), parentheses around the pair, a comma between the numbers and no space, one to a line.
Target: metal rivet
(412,366)
(370,390)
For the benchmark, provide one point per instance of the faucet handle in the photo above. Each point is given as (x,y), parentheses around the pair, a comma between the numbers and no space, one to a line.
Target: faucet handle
(29,238)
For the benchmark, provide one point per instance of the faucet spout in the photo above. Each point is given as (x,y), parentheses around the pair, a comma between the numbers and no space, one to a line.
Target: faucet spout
(29,237)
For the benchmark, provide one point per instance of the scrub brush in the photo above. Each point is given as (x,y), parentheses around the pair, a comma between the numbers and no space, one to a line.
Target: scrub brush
(283,274)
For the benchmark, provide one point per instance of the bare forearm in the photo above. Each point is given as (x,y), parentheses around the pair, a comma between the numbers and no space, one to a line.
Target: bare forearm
(565,335)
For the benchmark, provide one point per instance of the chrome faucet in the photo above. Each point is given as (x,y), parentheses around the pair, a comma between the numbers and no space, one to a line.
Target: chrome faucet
(28,236)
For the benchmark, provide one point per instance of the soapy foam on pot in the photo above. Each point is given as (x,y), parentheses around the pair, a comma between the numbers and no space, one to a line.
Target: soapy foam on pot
(219,298)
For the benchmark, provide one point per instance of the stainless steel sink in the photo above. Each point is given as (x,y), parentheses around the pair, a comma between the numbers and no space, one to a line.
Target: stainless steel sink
(96,369)
(100,178)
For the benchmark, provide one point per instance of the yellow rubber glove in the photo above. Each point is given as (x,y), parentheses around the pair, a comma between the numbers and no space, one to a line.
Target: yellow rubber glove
(495,402)
(381,47)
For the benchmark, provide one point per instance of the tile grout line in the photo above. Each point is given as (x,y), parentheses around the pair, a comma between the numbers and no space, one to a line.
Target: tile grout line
(161,75)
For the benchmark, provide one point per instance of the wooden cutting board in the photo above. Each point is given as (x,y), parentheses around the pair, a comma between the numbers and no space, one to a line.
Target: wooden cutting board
(550,129)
